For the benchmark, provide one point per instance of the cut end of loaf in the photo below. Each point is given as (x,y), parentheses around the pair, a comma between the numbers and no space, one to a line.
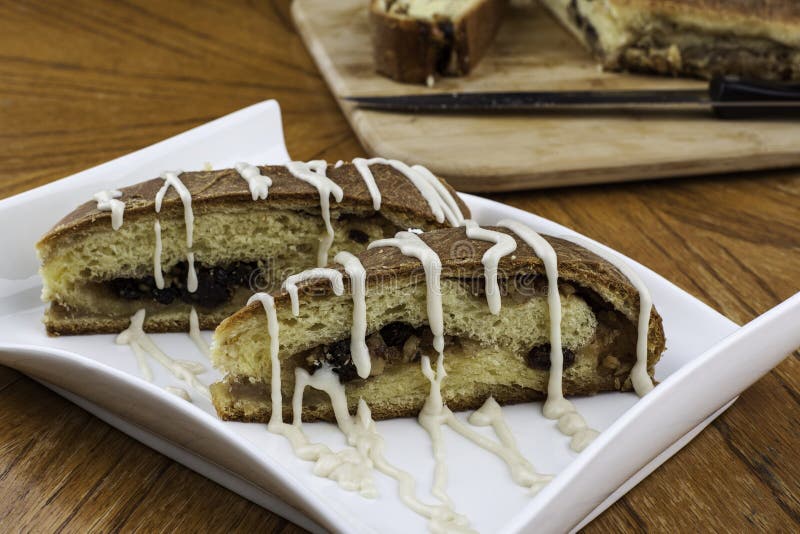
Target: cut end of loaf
(485,355)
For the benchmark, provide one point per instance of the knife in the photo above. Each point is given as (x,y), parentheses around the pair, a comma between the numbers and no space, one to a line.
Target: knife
(727,97)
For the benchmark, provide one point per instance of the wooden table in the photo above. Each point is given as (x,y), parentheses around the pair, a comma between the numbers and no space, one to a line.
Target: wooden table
(84,82)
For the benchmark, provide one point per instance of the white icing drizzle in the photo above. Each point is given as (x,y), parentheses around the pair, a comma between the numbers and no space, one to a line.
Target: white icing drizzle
(362,166)
(522,471)
(171,180)
(259,185)
(491,414)
(276,418)
(545,252)
(196,368)
(290,284)
(411,244)
(135,337)
(504,245)
(642,383)
(366,437)
(191,277)
(327,464)
(439,199)
(313,173)
(358,327)
(107,201)
(350,468)
(338,164)
(157,273)
(431,418)
(368,445)
(454,215)
(141,361)
(434,414)
(571,423)
(179,392)
(345,467)
(294,434)
(556,406)
(196,336)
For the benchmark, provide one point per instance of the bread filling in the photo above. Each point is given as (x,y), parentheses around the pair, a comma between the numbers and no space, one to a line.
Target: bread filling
(216,285)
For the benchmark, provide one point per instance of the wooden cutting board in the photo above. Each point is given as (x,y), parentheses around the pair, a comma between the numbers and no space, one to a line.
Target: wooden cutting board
(522,151)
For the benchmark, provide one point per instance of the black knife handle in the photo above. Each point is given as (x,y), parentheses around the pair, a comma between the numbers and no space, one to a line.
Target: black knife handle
(734,98)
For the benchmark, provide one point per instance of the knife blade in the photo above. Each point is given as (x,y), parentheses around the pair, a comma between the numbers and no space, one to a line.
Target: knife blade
(727,97)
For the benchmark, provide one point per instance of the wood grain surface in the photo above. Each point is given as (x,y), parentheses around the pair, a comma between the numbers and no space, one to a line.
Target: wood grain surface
(82,82)
(504,152)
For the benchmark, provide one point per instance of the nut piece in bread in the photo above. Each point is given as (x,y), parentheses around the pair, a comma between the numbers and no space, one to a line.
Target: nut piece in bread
(504,355)
(414,40)
(95,277)
(698,38)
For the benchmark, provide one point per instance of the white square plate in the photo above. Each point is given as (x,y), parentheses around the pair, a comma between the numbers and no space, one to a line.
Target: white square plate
(638,435)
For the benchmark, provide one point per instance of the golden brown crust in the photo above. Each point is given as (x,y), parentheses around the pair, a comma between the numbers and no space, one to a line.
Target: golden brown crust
(401,203)
(409,50)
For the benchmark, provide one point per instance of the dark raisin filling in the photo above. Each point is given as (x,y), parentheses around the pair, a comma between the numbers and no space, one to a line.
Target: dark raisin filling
(401,341)
(339,357)
(358,236)
(539,357)
(396,334)
(394,342)
(215,285)
(164,296)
